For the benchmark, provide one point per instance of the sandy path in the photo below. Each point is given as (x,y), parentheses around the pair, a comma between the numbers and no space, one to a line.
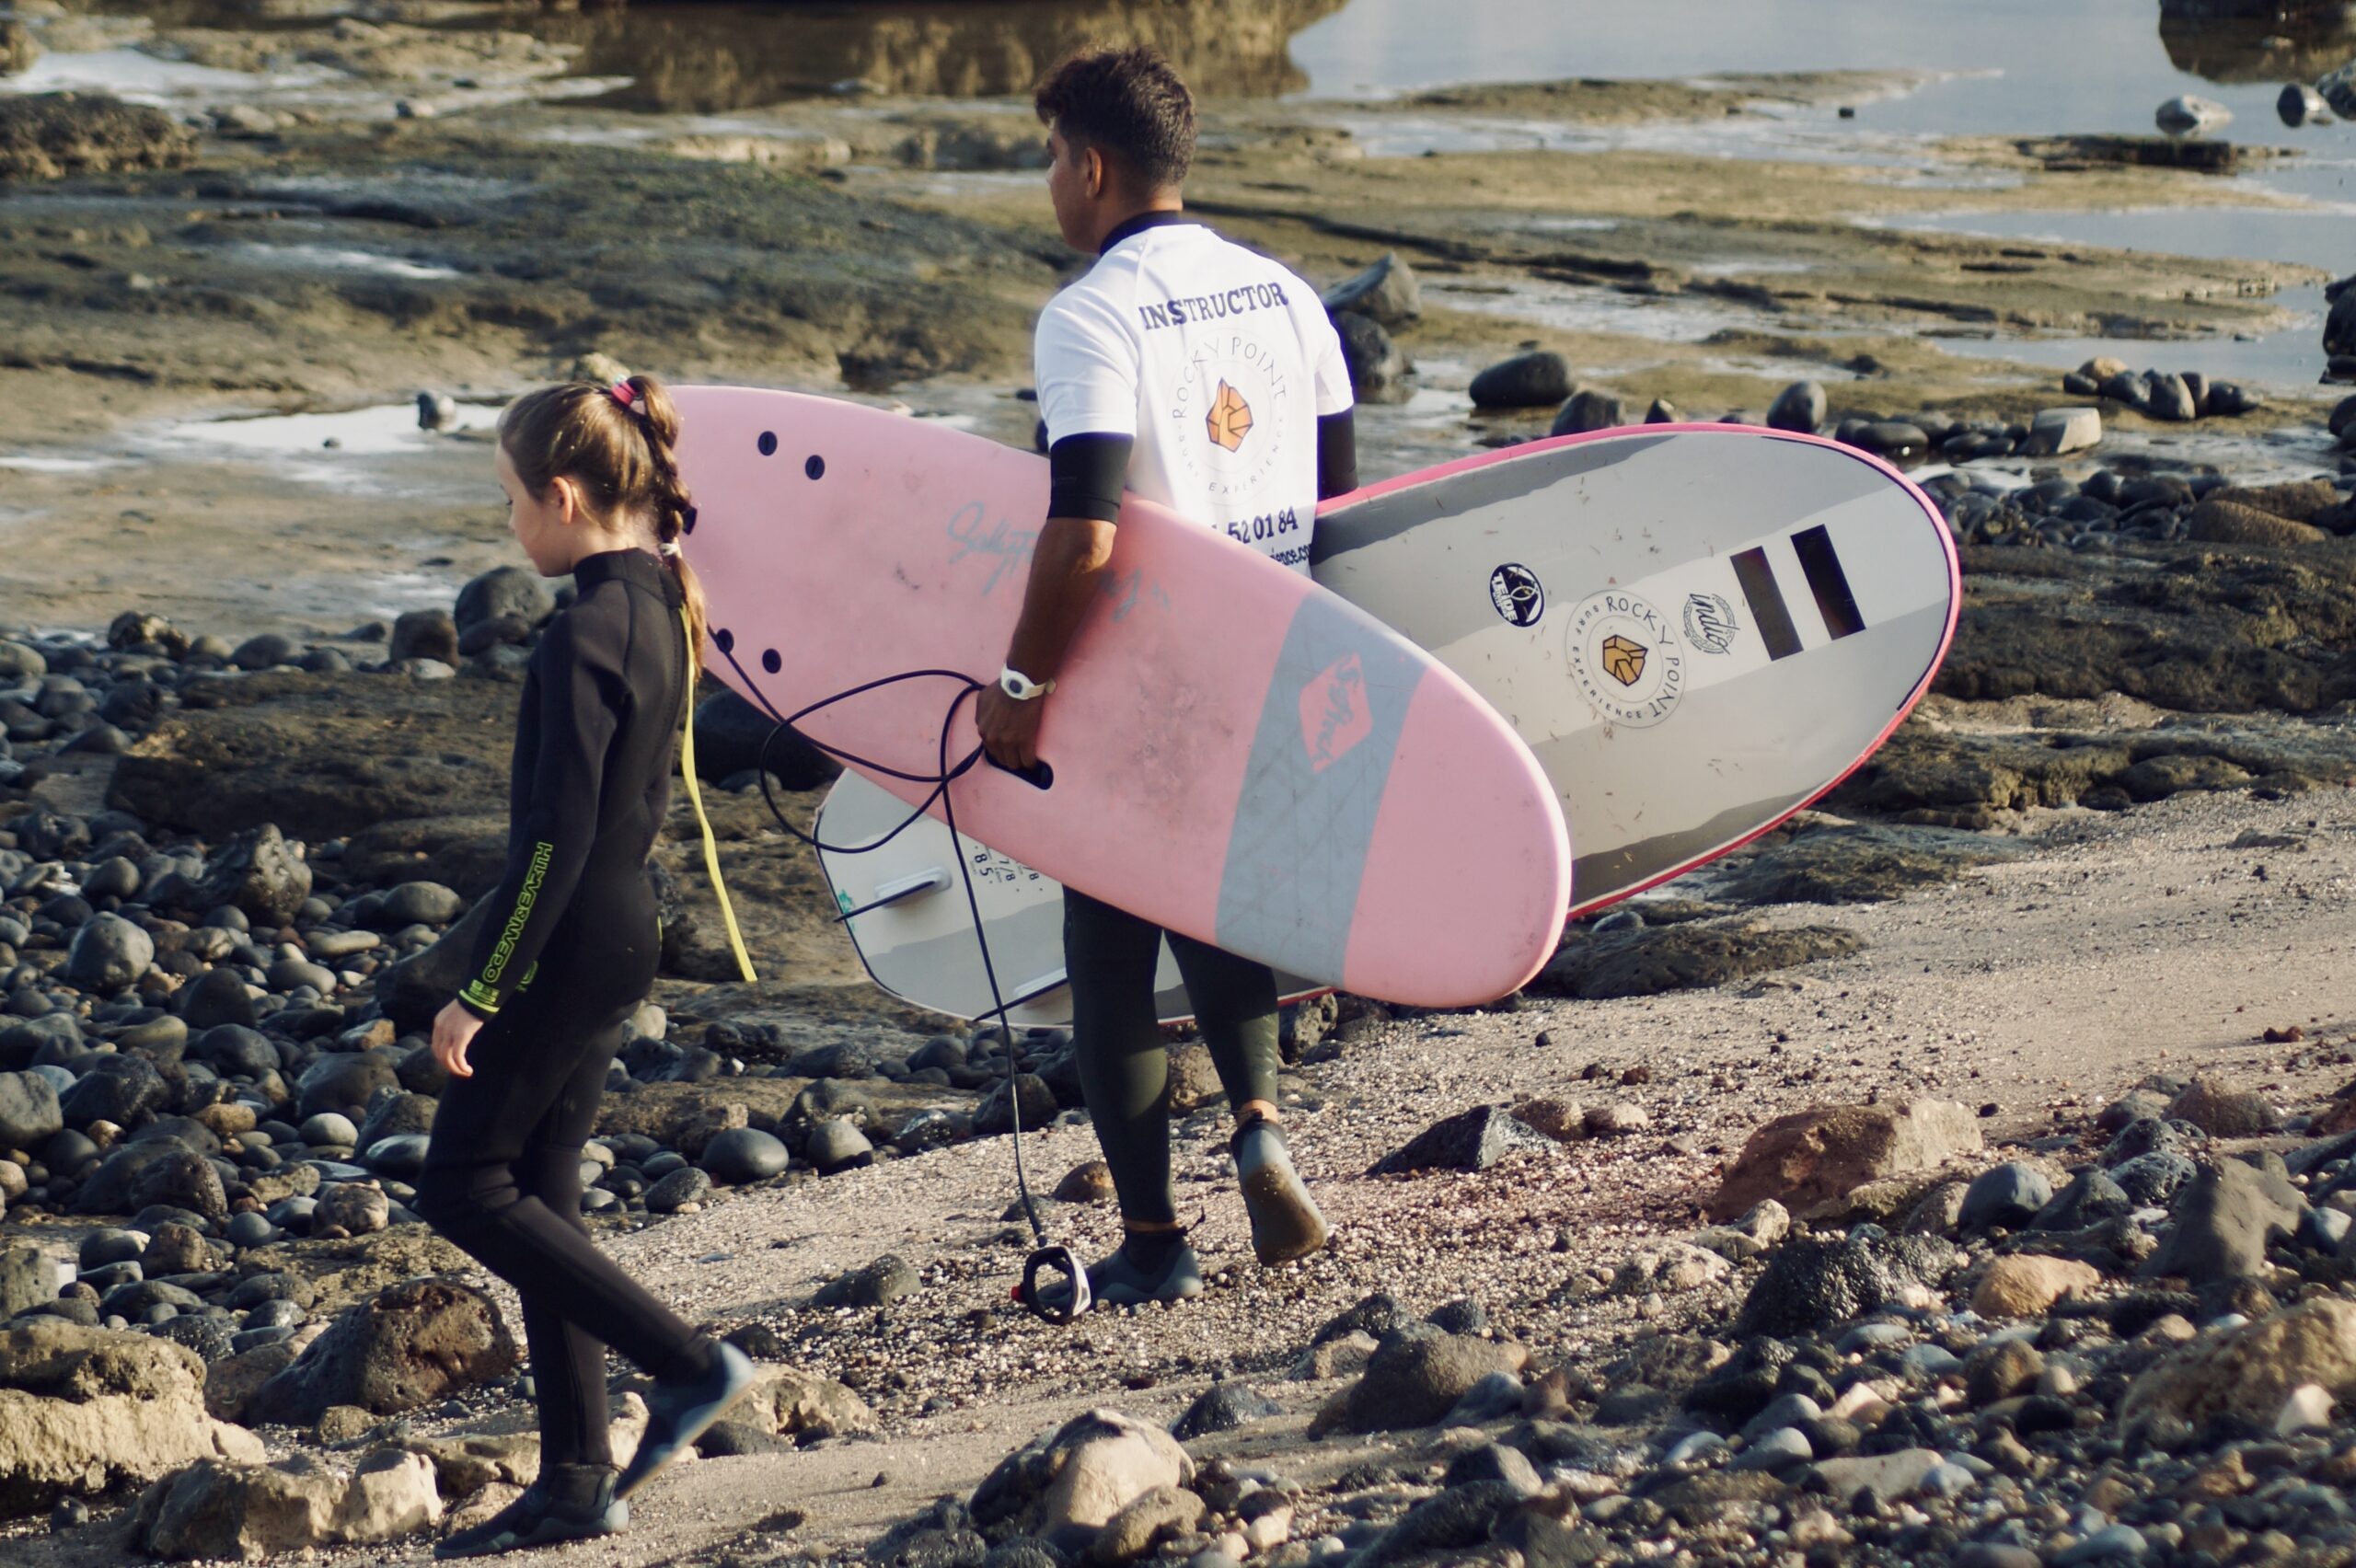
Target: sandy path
(2119,945)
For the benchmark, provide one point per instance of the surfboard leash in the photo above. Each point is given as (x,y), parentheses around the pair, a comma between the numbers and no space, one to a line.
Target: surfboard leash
(1047,1257)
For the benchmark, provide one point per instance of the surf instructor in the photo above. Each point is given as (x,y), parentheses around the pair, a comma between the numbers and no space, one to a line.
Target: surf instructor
(1207,377)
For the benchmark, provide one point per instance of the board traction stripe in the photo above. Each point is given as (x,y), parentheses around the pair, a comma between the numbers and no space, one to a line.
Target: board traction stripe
(1834,599)
(1768,611)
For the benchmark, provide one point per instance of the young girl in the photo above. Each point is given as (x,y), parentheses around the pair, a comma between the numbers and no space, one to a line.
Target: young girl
(570,950)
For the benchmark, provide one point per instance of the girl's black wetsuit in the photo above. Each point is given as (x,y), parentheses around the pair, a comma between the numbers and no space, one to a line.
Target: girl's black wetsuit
(567,955)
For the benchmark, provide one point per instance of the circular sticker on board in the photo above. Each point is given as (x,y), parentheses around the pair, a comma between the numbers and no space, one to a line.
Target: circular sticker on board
(1710,624)
(1520,597)
(1626,659)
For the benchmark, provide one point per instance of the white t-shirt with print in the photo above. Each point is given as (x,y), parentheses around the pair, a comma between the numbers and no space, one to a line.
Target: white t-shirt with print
(1217,362)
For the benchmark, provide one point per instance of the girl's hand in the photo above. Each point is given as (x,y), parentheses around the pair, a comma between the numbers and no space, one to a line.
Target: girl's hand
(454,1030)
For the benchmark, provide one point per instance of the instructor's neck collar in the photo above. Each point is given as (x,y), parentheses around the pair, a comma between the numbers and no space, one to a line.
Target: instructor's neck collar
(1159,218)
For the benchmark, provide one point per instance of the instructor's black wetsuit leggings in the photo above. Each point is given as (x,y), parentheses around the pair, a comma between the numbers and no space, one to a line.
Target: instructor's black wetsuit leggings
(502,1180)
(1111,956)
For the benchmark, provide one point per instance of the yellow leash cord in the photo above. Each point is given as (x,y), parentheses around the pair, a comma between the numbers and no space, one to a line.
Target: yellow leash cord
(695,796)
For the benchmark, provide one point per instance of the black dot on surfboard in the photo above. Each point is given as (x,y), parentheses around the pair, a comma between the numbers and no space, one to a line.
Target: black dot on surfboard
(726,639)
(770,661)
(815,468)
(767,443)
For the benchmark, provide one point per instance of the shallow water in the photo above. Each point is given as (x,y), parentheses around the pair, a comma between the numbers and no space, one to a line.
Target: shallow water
(2293,356)
(2051,65)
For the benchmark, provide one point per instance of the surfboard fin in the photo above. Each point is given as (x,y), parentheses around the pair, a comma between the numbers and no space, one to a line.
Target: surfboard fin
(703,821)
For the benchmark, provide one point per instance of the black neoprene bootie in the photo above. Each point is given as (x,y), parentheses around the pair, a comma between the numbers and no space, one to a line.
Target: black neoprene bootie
(566,1502)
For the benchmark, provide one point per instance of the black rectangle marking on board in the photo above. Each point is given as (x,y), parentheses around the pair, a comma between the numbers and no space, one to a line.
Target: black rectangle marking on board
(1767,609)
(1830,583)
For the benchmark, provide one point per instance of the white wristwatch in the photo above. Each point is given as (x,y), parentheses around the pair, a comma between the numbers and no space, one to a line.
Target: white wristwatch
(1022,687)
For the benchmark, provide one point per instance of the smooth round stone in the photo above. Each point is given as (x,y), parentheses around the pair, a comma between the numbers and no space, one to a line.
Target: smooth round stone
(403,1155)
(103,1246)
(655,1167)
(681,1187)
(254,1338)
(745,1154)
(1949,1480)
(250,1229)
(2113,1543)
(1874,1336)
(105,1276)
(337,1170)
(59,1078)
(1784,1409)
(330,1129)
(597,1200)
(66,1152)
(294,974)
(1693,1446)
(422,903)
(279,1314)
(1774,1451)
(1930,1360)
(2010,1194)
(836,1143)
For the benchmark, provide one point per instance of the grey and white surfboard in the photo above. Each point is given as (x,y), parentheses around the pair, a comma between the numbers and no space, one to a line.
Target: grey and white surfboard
(1696,628)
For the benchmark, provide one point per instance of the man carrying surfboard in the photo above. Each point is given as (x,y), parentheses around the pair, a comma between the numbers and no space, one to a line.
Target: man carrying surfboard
(1207,377)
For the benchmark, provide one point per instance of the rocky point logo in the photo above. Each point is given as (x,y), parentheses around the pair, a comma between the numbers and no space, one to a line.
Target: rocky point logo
(1230,408)
(1626,659)
(1333,713)
(1230,420)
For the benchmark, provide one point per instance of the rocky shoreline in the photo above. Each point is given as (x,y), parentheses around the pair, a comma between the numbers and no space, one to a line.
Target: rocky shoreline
(211,1039)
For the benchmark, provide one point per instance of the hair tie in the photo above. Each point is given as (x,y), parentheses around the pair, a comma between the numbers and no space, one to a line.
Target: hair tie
(624,394)
(669,548)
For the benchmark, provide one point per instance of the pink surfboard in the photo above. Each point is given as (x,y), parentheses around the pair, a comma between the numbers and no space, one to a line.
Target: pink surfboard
(1236,753)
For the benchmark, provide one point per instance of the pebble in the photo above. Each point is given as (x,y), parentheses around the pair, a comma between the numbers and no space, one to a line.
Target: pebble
(676,1191)
(329,1129)
(2113,1543)
(2008,1196)
(1777,1450)
(745,1154)
(1800,407)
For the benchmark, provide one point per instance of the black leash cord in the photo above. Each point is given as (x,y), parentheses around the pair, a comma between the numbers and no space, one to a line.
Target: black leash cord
(1045,1257)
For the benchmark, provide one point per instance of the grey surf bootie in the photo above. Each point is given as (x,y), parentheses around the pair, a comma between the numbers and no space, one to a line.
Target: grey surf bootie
(1286,1223)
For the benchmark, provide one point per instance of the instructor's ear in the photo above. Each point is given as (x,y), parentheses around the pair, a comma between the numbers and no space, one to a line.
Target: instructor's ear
(1094,175)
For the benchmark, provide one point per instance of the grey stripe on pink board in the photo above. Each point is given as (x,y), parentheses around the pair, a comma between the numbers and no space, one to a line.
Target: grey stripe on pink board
(1321,758)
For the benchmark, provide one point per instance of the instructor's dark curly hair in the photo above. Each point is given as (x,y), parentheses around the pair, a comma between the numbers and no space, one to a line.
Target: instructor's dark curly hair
(1128,105)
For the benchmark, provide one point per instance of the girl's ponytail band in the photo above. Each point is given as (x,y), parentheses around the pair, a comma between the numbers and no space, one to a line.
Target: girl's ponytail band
(624,394)
(671,548)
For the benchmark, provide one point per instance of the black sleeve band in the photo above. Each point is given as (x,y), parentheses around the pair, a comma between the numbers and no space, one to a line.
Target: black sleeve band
(1085,475)
(1337,455)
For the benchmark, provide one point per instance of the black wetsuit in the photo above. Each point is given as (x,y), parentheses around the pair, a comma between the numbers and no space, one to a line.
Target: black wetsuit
(569,953)
(1111,955)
